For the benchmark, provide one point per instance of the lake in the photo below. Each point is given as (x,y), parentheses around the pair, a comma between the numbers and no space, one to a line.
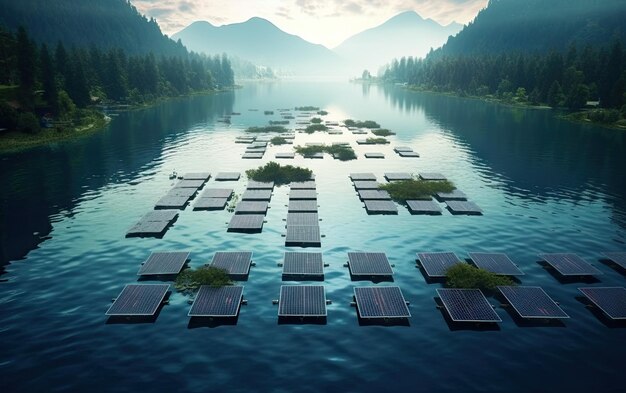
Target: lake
(544,184)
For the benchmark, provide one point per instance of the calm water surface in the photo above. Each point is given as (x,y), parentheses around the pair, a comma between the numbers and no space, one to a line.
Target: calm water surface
(545,186)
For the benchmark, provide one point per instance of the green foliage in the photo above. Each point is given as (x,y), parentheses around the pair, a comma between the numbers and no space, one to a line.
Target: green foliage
(383,132)
(8,116)
(361,124)
(316,120)
(606,116)
(402,191)
(27,122)
(315,127)
(278,140)
(307,108)
(339,152)
(66,106)
(322,113)
(279,122)
(463,275)
(192,279)
(376,141)
(273,171)
(266,129)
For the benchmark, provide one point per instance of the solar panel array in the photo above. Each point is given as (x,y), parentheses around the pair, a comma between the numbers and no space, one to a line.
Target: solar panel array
(302,194)
(172,202)
(467,305)
(617,257)
(246,223)
(138,300)
(303,235)
(464,207)
(303,264)
(497,263)
(303,185)
(237,263)
(217,193)
(380,207)
(256,195)
(436,264)
(369,264)
(302,206)
(210,204)
(302,301)
(285,155)
(611,300)
(303,228)
(423,207)
(260,185)
(454,195)
(408,154)
(374,155)
(227,176)
(217,301)
(374,195)
(164,263)
(366,184)
(394,176)
(197,176)
(302,219)
(252,207)
(362,176)
(398,149)
(154,223)
(190,184)
(568,264)
(380,302)
(532,302)
(432,176)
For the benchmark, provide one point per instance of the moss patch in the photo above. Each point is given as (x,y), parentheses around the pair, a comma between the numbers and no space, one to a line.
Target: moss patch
(191,279)
(315,127)
(463,275)
(273,171)
(339,152)
(404,190)
(361,124)
(383,132)
(272,128)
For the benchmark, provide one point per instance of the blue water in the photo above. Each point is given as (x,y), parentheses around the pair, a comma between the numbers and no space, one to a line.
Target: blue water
(545,185)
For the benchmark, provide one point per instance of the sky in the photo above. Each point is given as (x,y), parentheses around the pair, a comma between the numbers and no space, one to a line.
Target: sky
(327,22)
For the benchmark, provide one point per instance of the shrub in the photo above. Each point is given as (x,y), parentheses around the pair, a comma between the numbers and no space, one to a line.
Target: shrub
(604,115)
(463,275)
(273,128)
(273,171)
(340,152)
(361,124)
(315,127)
(322,113)
(383,132)
(8,116)
(404,190)
(376,141)
(316,120)
(27,122)
(278,140)
(192,279)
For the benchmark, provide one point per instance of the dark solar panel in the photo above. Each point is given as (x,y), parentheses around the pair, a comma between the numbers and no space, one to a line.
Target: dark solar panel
(366,185)
(463,207)
(303,264)
(160,215)
(148,228)
(303,235)
(164,263)
(408,154)
(190,184)
(398,149)
(257,195)
(314,155)
(568,264)
(381,302)
(532,302)
(139,300)
(253,156)
(611,300)
(227,176)
(432,176)
(217,193)
(374,195)
(392,176)
(305,206)
(217,301)
(302,301)
(197,176)
(302,194)
(374,155)
(237,263)
(380,207)
(210,204)
(285,155)
(454,195)
(303,185)
(497,263)
(182,192)
(369,264)
(436,263)
(172,202)
(467,305)
(251,207)
(246,223)
(302,219)
(260,185)
(423,207)
(362,176)
(617,257)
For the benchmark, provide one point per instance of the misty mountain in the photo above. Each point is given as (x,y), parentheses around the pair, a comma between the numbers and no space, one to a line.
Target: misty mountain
(259,41)
(406,34)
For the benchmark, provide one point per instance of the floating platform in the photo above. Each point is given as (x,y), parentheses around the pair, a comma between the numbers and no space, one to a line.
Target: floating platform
(436,264)
(408,154)
(366,185)
(369,264)
(302,219)
(362,176)
(617,257)
(210,204)
(302,195)
(138,300)
(217,302)
(252,156)
(256,195)
(396,176)
(160,215)
(303,265)
(190,184)
(455,195)
(398,149)
(197,176)
(303,236)
(172,202)
(497,263)
(302,301)
(381,302)
(153,224)
(374,155)
(227,176)
(314,155)
(252,207)
(359,132)
(164,263)
(246,223)
(302,206)
(335,132)
(303,185)
(182,192)
(532,303)
(380,207)
(434,176)
(569,264)
(260,185)
(217,193)
(286,156)
(611,300)
(467,305)
(464,207)
(236,263)
(423,207)
(381,195)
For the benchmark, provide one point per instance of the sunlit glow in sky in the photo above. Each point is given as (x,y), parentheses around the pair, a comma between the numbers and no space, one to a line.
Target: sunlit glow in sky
(326,22)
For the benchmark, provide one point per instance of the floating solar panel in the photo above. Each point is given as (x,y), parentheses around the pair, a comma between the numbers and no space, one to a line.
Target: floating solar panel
(285,155)
(335,132)
(303,185)
(197,176)
(568,264)
(302,206)
(497,263)
(467,305)
(190,184)
(532,303)
(253,156)
(374,194)
(611,300)
(236,263)
(246,223)
(369,264)
(260,185)
(217,193)
(258,144)
(303,264)
(218,302)
(164,263)
(380,302)
(160,215)
(393,176)
(359,132)
(210,204)
(617,257)
(257,195)
(374,155)
(255,149)
(303,236)
(138,300)
(172,202)
(251,207)
(380,207)
(148,228)
(227,176)
(302,301)
(362,176)
(366,185)
(432,176)
(302,194)
(341,143)
(398,149)
(408,154)
(314,155)
(464,207)
(302,219)
(455,195)
(423,207)
(182,192)
(437,263)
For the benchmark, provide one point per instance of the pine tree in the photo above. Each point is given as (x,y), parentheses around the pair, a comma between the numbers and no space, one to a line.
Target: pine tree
(48,79)
(26,68)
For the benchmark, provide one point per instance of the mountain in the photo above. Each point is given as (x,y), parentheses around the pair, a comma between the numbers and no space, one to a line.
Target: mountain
(406,34)
(259,41)
(83,23)
(539,26)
